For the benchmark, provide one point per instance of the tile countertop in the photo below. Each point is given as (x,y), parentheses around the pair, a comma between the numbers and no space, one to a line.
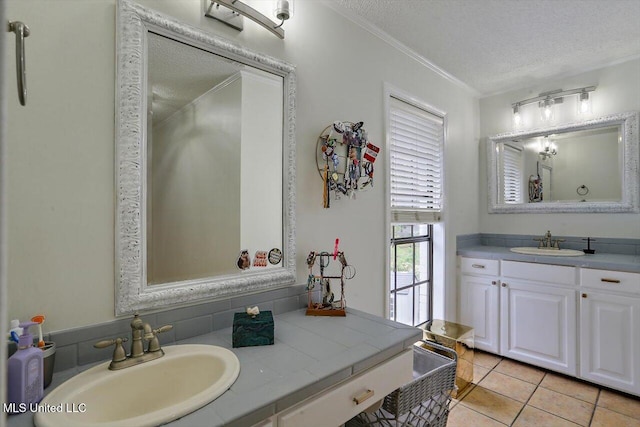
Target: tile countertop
(310,354)
(602,261)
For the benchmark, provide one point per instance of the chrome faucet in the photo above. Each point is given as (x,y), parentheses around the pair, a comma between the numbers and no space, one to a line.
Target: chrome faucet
(139,331)
(547,243)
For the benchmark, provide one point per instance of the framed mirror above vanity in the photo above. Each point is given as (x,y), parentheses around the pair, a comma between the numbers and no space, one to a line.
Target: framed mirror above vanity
(590,166)
(205,164)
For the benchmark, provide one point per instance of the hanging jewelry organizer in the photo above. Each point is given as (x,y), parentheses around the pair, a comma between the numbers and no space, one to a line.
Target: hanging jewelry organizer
(345,158)
(329,306)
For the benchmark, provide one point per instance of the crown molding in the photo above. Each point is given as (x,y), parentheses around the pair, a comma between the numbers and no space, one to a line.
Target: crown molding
(396,44)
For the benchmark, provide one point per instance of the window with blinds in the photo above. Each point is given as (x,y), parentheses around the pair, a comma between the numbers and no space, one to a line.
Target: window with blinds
(512,174)
(416,153)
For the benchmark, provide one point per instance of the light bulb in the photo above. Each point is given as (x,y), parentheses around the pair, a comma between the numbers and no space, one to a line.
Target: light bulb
(546,109)
(517,119)
(584,103)
(283,9)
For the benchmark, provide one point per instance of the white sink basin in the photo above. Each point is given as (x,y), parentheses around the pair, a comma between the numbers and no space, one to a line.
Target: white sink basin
(547,252)
(186,378)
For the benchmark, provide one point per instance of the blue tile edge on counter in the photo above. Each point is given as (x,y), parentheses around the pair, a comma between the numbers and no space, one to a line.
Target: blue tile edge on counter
(310,354)
(611,254)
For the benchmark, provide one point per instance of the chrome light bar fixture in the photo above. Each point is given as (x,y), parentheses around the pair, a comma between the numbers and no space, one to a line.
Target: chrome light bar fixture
(546,101)
(231,12)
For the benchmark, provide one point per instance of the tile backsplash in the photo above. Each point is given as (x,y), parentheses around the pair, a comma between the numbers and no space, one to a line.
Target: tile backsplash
(74,347)
(600,244)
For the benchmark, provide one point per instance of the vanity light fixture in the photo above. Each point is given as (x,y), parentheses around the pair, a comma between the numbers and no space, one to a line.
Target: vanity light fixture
(231,12)
(547,102)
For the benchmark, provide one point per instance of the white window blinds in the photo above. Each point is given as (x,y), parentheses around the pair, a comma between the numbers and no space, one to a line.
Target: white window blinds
(416,146)
(512,174)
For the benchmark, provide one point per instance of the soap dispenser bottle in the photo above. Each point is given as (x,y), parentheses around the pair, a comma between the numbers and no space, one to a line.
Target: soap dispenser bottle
(25,372)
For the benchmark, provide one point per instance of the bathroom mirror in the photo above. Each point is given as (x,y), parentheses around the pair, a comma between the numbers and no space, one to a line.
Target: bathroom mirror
(590,166)
(205,165)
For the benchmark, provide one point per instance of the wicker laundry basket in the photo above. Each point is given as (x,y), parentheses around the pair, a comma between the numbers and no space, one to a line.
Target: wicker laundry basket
(423,402)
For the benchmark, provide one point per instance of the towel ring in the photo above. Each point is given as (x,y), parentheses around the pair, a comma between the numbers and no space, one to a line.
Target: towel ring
(582,190)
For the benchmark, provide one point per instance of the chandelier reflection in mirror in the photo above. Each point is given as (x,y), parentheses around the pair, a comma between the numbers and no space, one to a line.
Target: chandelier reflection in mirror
(231,13)
(548,148)
(548,101)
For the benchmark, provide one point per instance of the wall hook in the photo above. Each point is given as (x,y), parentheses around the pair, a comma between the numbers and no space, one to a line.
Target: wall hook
(21,30)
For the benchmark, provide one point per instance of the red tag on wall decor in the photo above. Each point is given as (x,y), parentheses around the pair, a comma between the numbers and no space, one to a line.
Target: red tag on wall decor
(371,153)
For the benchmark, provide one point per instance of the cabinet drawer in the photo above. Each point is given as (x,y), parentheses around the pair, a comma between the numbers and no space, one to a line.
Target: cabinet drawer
(338,405)
(552,274)
(490,267)
(621,281)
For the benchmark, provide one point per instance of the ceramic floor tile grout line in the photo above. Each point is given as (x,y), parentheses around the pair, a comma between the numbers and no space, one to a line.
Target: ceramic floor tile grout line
(592,415)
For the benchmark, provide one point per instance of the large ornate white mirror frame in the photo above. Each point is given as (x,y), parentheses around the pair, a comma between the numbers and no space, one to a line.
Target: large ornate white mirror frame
(630,174)
(132,292)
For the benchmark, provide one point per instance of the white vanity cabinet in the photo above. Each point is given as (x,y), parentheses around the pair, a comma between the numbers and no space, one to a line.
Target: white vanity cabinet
(479,300)
(524,311)
(538,315)
(610,328)
(580,321)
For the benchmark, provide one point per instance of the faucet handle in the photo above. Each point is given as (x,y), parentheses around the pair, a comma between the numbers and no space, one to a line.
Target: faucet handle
(154,343)
(539,240)
(555,243)
(162,329)
(118,353)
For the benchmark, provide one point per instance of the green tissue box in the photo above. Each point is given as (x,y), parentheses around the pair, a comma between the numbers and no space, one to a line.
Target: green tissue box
(249,331)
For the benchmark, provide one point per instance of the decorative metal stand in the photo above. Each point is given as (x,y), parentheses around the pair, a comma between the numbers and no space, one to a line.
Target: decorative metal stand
(329,306)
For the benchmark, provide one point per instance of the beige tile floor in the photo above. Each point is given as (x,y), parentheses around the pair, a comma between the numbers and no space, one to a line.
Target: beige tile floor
(509,393)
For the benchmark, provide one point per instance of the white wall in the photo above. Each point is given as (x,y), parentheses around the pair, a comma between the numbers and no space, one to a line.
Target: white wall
(261,175)
(195,188)
(61,151)
(618,91)
(60,159)
(3,230)
(591,160)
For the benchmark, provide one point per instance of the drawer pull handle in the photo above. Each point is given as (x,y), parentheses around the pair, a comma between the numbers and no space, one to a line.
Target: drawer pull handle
(364,396)
(604,279)
(494,282)
(504,285)
(477,265)
(584,295)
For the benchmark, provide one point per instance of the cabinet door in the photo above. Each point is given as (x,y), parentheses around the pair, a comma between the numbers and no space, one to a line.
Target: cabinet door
(479,298)
(609,339)
(538,325)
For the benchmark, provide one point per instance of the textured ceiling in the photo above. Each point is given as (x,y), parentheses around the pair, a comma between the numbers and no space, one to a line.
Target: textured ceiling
(179,73)
(494,46)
